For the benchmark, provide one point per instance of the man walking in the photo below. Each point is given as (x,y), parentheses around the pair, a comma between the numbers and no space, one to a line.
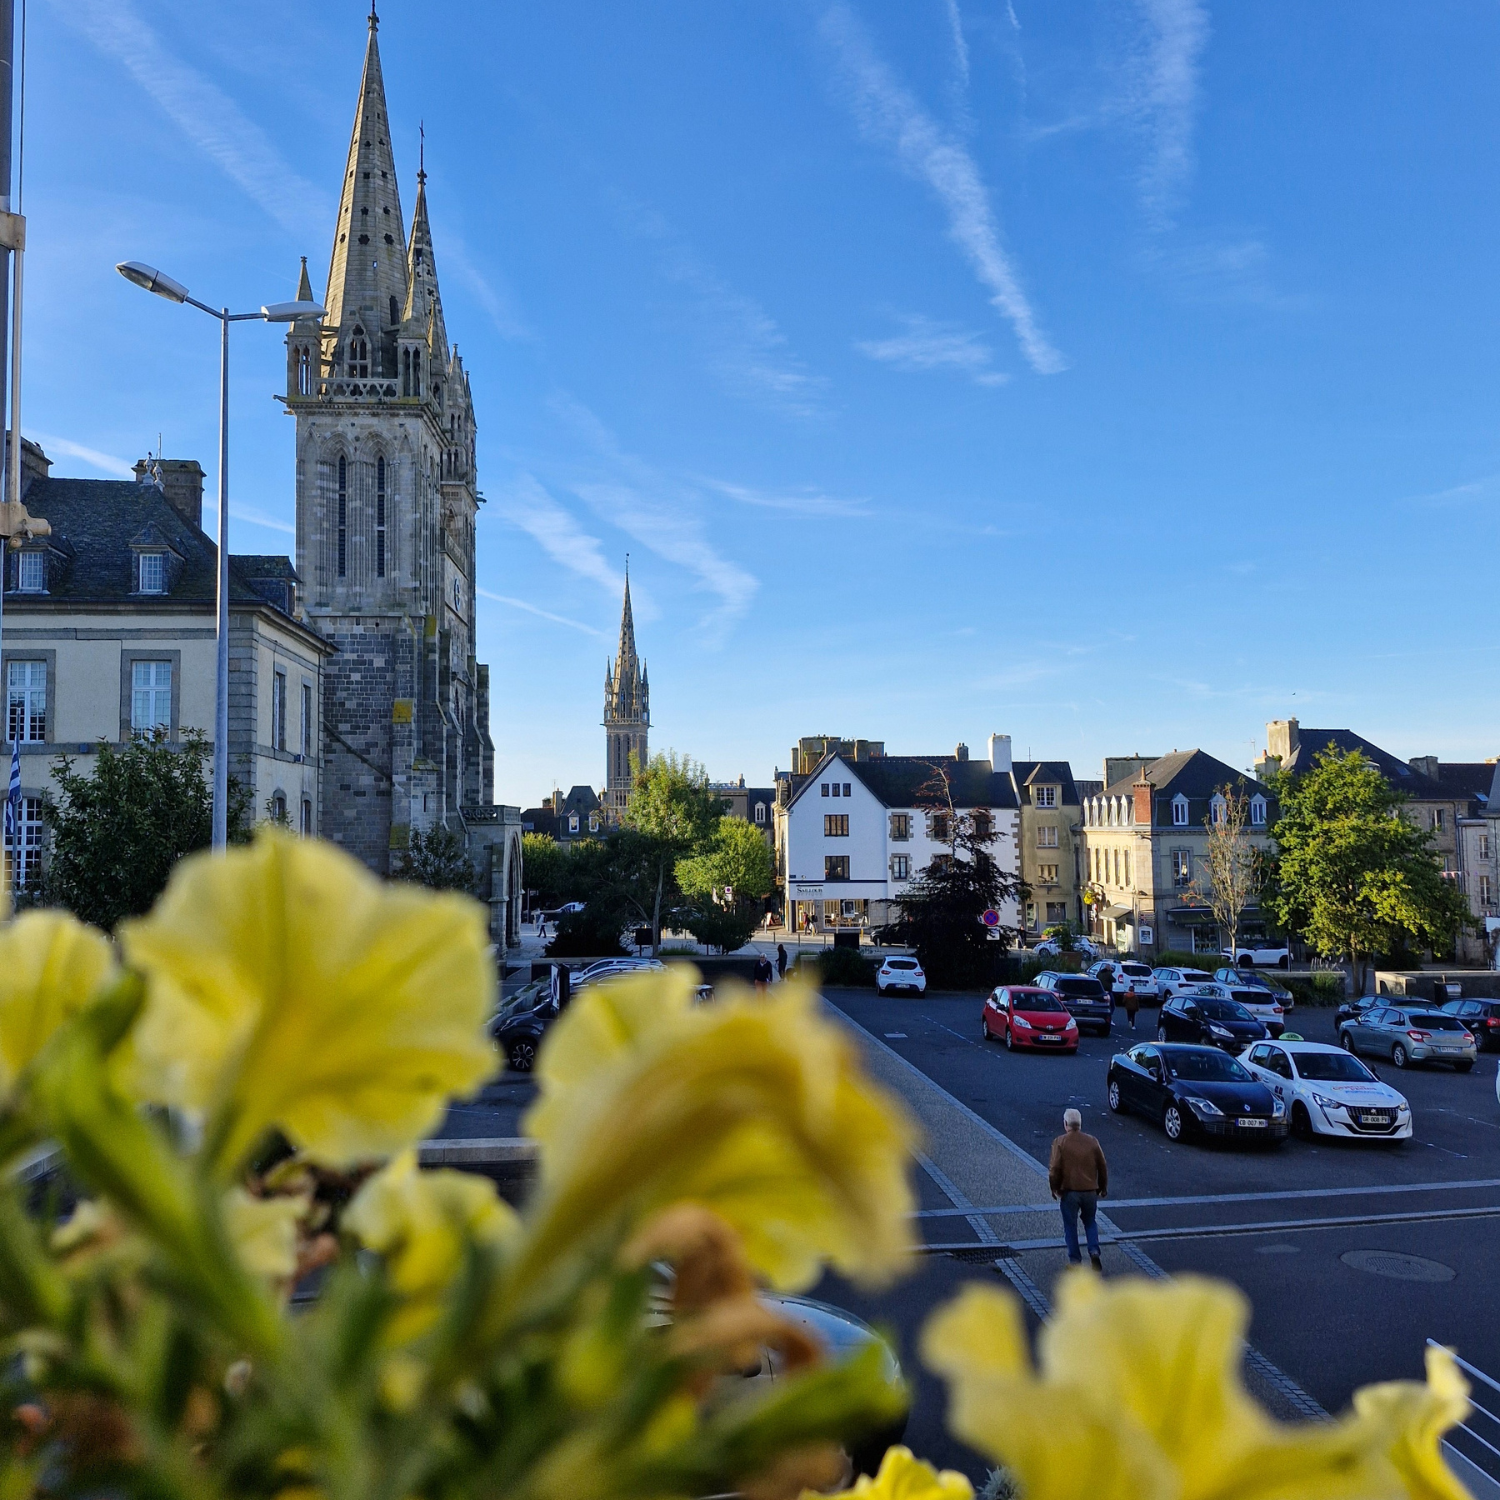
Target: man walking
(781,960)
(1079,1176)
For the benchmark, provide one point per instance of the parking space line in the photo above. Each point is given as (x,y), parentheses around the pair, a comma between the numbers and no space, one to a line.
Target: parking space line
(955,1194)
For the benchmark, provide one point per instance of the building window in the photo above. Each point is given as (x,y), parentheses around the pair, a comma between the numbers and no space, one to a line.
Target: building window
(1217,809)
(760,812)
(416,372)
(836,826)
(1057,911)
(1182,868)
(572,822)
(1484,846)
(1437,820)
(307,826)
(278,710)
(1046,874)
(150,695)
(1046,836)
(826,789)
(1045,796)
(1179,811)
(982,828)
(940,828)
(1115,863)
(1127,867)
(359,355)
(307,722)
(343,526)
(848,790)
(1484,890)
(380,517)
(25,843)
(901,826)
(900,867)
(835,867)
(1257,811)
(278,810)
(27,720)
(940,862)
(31,572)
(593,823)
(153,573)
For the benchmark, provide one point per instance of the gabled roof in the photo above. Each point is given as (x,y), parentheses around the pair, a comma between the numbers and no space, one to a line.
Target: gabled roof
(1395,770)
(1048,773)
(1469,779)
(1193,774)
(897,780)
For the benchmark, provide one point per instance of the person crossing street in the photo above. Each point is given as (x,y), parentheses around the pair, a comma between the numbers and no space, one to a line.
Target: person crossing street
(1079,1177)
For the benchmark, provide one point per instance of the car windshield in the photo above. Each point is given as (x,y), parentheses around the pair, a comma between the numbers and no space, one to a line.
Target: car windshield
(901,963)
(1136,971)
(1331,1067)
(1225,1010)
(1435,1020)
(1080,987)
(1033,1000)
(1206,1067)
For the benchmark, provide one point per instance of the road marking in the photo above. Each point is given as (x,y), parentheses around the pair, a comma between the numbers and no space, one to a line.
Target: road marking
(895,1036)
(1031,1294)
(1268,1197)
(967,1041)
(987,1236)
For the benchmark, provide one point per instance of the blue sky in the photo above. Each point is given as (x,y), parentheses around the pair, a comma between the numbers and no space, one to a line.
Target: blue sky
(1118,376)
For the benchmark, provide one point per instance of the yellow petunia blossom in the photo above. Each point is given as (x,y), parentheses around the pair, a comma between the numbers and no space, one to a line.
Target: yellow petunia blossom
(51,966)
(905,1477)
(755,1107)
(263,1232)
(288,987)
(1420,1415)
(1137,1396)
(422,1223)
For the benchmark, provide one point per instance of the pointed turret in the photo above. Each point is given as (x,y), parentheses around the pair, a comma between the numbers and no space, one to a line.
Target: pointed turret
(423,315)
(304,284)
(367,274)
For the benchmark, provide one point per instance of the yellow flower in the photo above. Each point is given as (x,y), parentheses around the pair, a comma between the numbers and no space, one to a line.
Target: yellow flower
(1421,1414)
(1138,1397)
(422,1223)
(51,966)
(903,1477)
(287,986)
(263,1232)
(756,1108)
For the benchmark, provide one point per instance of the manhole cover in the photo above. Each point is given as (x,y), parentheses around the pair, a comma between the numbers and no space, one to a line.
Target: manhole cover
(1398,1266)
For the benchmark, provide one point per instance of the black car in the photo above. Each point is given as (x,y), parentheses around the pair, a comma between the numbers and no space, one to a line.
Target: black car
(1194,1090)
(1482,1017)
(1348,1009)
(1084,997)
(521,1022)
(1210,1021)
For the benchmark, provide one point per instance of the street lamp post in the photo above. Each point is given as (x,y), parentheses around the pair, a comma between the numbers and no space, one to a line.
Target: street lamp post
(162,285)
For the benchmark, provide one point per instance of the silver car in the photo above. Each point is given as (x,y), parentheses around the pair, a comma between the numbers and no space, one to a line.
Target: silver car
(1408,1034)
(1173,982)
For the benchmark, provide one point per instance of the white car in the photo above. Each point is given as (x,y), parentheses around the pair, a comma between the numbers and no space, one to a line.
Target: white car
(1050,947)
(901,974)
(1173,982)
(1126,975)
(1260,956)
(1329,1091)
(1261,1004)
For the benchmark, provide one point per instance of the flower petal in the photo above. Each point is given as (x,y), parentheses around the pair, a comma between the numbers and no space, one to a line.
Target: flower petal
(264,1232)
(1417,1416)
(904,1477)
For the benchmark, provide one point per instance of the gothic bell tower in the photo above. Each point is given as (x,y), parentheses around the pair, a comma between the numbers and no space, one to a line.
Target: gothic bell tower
(627,713)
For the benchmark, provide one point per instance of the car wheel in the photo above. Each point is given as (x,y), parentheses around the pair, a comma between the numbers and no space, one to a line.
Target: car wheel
(1161,1033)
(1302,1126)
(1116,1100)
(984,1029)
(1462,1067)
(1284,962)
(1173,1123)
(1398,1056)
(521,1056)
(1010,1041)
(1346,1040)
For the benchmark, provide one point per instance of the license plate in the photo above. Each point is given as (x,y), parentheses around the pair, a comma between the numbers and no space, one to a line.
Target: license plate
(1373,1117)
(1251,1124)
(1049,1036)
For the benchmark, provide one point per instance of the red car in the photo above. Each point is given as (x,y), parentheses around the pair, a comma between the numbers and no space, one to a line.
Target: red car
(1023,1016)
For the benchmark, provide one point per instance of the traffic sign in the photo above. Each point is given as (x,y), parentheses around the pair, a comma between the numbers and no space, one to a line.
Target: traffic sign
(991,918)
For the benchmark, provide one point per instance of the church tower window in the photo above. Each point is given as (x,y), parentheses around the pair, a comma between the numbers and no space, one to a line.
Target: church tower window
(406,372)
(359,355)
(304,371)
(380,517)
(343,516)
(395,308)
(416,372)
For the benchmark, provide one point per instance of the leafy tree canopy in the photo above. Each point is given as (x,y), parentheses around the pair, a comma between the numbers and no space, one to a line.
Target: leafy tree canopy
(437,859)
(547,870)
(1353,876)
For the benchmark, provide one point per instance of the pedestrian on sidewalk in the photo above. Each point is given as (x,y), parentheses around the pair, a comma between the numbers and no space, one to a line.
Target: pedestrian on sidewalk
(762,974)
(781,960)
(1132,1005)
(1079,1177)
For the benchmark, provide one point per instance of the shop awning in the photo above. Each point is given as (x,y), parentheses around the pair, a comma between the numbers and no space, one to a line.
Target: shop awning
(1114,913)
(1192,916)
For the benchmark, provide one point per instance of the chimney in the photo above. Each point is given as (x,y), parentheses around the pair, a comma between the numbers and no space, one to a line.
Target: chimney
(1000,752)
(1282,740)
(34,463)
(1141,791)
(962,752)
(1425,765)
(181,485)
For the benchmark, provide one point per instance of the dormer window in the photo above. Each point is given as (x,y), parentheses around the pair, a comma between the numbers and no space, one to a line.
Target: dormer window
(1218,809)
(153,573)
(31,572)
(1179,811)
(572,822)
(1257,811)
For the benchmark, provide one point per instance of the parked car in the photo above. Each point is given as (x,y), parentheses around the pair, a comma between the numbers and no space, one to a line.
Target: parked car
(1050,948)
(1264,955)
(518,1026)
(1021,1015)
(901,974)
(1356,1007)
(1482,1017)
(611,968)
(1410,1033)
(1253,979)
(1194,1090)
(1210,1021)
(1264,1007)
(1329,1092)
(1170,982)
(1125,975)
(1084,997)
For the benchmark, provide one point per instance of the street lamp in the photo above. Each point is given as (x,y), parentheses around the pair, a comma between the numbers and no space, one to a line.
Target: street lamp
(162,285)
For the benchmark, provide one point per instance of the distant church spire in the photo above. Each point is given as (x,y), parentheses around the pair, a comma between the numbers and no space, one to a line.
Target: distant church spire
(627,711)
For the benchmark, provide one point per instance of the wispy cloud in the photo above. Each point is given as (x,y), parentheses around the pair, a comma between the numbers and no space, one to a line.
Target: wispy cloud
(927,345)
(804,502)
(960,46)
(1458,495)
(887,112)
(529,508)
(1232,269)
(204,113)
(260,518)
(544,614)
(497,307)
(106,463)
(1165,100)
(748,351)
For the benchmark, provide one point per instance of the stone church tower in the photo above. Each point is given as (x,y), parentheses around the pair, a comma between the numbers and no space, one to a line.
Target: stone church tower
(627,714)
(386,507)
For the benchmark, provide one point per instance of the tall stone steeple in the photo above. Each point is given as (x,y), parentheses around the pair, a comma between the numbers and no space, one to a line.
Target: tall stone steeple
(627,712)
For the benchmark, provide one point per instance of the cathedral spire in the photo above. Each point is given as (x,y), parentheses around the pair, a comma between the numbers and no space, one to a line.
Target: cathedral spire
(367,272)
(304,285)
(627,624)
(423,314)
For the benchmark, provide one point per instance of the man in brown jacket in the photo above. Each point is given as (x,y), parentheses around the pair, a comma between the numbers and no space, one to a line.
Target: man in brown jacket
(1079,1176)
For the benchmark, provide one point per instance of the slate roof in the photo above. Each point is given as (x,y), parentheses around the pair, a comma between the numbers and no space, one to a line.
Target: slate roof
(95,522)
(1471,779)
(1087,789)
(1192,774)
(1050,773)
(897,780)
(1393,768)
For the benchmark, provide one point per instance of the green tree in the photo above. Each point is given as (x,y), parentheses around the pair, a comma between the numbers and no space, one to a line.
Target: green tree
(118,830)
(547,869)
(1232,865)
(615,879)
(673,809)
(726,883)
(437,859)
(1353,876)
